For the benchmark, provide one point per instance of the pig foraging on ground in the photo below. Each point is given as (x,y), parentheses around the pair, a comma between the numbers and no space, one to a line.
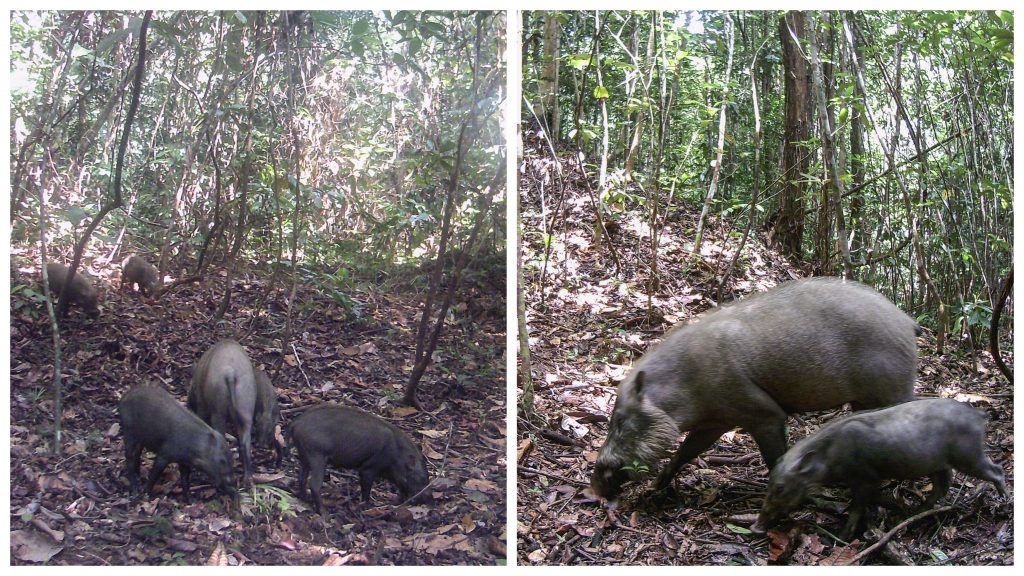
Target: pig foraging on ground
(267,415)
(152,419)
(910,440)
(223,394)
(805,345)
(351,438)
(81,291)
(138,271)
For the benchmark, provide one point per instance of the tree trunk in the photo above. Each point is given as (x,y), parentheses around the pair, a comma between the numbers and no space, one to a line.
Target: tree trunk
(829,152)
(857,170)
(720,148)
(425,346)
(993,332)
(788,228)
(548,88)
(116,201)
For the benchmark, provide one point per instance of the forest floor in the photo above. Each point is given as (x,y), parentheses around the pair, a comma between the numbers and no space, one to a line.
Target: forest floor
(586,321)
(75,508)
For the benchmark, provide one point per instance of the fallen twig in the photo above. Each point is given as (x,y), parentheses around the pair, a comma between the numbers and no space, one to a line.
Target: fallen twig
(550,475)
(888,535)
(298,362)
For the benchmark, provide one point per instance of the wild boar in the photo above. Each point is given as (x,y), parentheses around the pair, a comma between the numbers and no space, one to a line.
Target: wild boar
(910,440)
(267,416)
(138,271)
(152,419)
(81,291)
(805,345)
(351,438)
(223,394)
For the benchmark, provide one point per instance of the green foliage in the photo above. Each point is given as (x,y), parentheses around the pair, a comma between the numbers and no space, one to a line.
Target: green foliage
(363,141)
(975,315)
(636,467)
(159,527)
(336,286)
(174,559)
(272,504)
(960,192)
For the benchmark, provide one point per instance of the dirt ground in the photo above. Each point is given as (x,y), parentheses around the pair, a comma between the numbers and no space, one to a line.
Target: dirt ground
(75,508)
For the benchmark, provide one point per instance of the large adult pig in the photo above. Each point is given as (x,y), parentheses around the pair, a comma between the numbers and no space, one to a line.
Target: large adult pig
(223,394)
(152,419)
(910,440)
(138,271)
(351,438)
(266,416)
(81,291)
(805,345)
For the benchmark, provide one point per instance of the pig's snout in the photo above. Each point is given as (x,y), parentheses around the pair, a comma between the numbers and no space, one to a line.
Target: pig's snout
(607,481)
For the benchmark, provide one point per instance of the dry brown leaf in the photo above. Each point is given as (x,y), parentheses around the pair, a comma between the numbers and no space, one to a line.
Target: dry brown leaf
(779,544)
(525,445)
(31,546)
(482,485)
(429,451)
(841,555)
(218,557)
(181,545)
(497,547)
(404,411)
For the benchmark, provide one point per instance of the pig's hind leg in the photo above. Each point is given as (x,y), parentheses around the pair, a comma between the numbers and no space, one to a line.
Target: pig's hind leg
(317,467)
(940,486)
(980,466)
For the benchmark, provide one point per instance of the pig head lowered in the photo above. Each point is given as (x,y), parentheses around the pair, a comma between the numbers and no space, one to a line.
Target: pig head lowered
(81,291)
(351,438)
(152,419)
(805,345)
(920,438)
(267,415)
(223,394)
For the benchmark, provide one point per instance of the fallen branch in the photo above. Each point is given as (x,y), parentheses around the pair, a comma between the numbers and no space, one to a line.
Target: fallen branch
(555,476)
(888,535)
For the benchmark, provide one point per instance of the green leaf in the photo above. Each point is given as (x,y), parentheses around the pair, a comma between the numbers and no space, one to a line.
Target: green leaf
(738,529)
(358,48)
(75,215)
(414,45)
(600,92)
(435,29)
(578,61)
(325,19)
(360,28)
(477,496)
(115,37)
(78,51)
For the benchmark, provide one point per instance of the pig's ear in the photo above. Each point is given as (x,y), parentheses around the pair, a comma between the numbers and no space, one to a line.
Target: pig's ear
(638,384)
(808,464)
